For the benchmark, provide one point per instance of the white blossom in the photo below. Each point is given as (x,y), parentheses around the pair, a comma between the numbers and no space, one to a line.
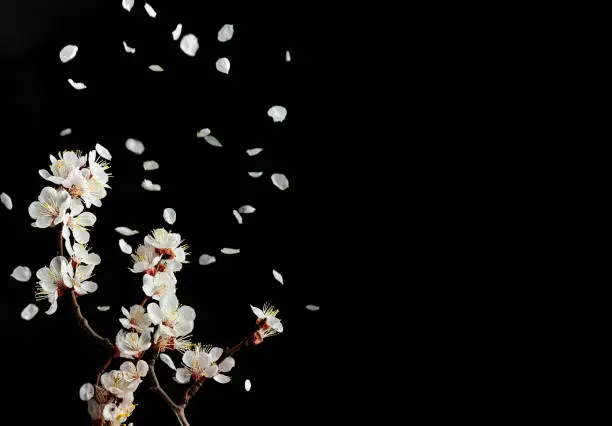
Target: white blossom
(161,284)
(202,362)
(168,244)
(172,319)
(50,208)
(78,279)
(145,259)
(133,372)
(136,318)
(131,344)
(118,414)
(78,224)
(51,282)
(80,254)
(82,184)
(62,166)
(269,325)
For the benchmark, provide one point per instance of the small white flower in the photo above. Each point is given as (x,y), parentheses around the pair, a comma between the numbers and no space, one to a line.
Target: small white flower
(51,282)
(131,344)
(133,372)
(167,244)
(136,318)
(202,362)
(79,254)
(157,286)
(165,342)
(81,184)
(145,259)
(99,166)
(267,321)
(50,208)
(117,383)
(77,279)
(118,414)
(62,167)
(78,224)
(172,319)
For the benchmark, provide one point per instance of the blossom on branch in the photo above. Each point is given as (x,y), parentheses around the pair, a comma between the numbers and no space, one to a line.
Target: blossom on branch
(118,414)
(172,319)
(77,279)
(51,282)
(136,318)
(201,362)
(131,345)
(162,284)
(79,254)
(50,208)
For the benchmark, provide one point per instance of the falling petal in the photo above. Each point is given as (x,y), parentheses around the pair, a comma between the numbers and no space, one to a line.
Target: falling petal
(278,113)
(287,56)
(189,44)
(212,140)
(280,181)
(135,146)
(103,152)
(29,312)
(103,308)
(168,361)
(312,307)
(223,65)
(150,165)
(255,174)
(86,392)
(128,4)
(156,68)
(22,273)
(66,132)
(246,209)
(125,247)
(237,216)
(225,33)
(254,151)
(203,133)
(230,251)
(150,186)
(177,32)
(78,86)
(170,216)
(68,53)
(150,11)
(129,49)
(247,385)
(207,260)
(278,276)
(6,200)
(125,231)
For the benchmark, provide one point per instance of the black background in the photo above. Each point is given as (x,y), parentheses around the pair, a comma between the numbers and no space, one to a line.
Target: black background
(292,374)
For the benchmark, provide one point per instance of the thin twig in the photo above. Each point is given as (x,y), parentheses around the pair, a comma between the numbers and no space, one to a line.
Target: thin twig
(85,325)
(178,410)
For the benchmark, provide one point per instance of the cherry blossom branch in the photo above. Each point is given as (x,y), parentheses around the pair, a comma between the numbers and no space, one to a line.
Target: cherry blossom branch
(178,410)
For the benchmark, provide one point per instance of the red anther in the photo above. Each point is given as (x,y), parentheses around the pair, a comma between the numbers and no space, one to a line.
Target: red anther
(161,268)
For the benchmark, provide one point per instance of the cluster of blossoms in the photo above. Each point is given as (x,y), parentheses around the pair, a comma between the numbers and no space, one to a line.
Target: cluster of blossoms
(80,179)
(162,325)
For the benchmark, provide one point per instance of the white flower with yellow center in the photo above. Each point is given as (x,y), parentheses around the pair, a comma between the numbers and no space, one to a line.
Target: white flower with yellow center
(172,319)
(50,208)
(130,345)
(98,168)
(79,254)
(51,282)
(167,244)
(267,320)
(145,259)
(77,223)
(117,383)
(77,279)
(61,168)
(136,318)
(79,185)
(164,342)
(133,372)
(202,362)
(163,283)
(118,414)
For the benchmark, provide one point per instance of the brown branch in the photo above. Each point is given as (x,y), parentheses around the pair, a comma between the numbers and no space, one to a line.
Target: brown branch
(178,410)
(85,325)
